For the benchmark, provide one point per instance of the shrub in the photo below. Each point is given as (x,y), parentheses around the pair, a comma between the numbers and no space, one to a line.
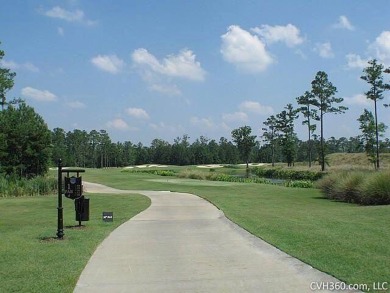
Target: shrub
(366,188)
(299,183)
(280,173)
(154,172)
(376,189)
(41,185)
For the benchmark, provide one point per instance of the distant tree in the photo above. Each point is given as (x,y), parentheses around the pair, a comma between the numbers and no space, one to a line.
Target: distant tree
(374,77)
(26,149)
(323,92)
(6,81)
(245,142)
(369,130)
(288,138)
(270,135)
(228,152)
(306,101)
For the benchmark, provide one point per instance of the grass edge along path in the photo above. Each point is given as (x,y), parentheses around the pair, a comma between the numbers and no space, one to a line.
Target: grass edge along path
(347,241)
(32,260)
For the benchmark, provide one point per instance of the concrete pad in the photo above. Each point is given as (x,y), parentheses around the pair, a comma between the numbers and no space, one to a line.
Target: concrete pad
(182,243)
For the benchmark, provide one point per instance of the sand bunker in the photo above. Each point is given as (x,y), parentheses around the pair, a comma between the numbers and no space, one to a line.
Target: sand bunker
(254,164)
(146,166)
(210,166)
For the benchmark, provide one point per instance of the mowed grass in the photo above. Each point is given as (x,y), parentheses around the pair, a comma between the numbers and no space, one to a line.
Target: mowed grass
(32,260)
(348,241)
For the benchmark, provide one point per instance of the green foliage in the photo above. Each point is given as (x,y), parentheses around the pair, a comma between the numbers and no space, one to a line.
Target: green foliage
(199,175)
(287,137)
(280,173)
(376,189)
(323,93)
(154,172)
(366,188)
(26,152)
(374,77)
(244,141)
(369,128)
(40,185)
(6,81)
(299,183)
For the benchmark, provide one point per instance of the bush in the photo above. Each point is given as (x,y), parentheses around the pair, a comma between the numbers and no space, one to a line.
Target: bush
(299,183)
(279,173)
(366,188)
(41,185)
(376,189)
(154,172)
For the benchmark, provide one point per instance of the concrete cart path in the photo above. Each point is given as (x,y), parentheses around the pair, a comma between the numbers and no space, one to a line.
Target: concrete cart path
(182,243)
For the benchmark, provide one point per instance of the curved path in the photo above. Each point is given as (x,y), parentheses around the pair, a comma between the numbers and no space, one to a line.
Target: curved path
(182,243)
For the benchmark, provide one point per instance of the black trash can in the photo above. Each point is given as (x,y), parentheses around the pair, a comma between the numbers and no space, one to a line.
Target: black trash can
(82,209)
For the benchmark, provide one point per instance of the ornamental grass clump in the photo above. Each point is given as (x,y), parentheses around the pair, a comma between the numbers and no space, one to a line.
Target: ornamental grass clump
(376,189)
(365,188)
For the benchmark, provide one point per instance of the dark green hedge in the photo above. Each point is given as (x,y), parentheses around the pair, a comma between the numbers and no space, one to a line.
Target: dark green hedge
(279,173)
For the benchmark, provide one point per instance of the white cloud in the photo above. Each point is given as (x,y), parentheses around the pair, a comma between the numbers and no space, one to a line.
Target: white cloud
(289,34)
(117,123)
(70,16)
(17,66)
(344,23)
(359,100)
(237,116)
(246,51)
(137,113)
(381,47)
(255,107)
(182,65)
(166,89)
(202,122)
(38,95)
(109,63)
(355,61)
(324,50)
(76,105)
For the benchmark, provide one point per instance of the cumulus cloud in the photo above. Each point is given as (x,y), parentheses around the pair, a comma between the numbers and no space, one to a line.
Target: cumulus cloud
(38,95)
(288,34)
(117,123)
(355,61)
(182,65)
(359,100)
(70,16)
(19,66)
(324,50)
(255,107)
(109,63)
(381,47)
(237,116)
(137,113)
(246,51)
(344,23)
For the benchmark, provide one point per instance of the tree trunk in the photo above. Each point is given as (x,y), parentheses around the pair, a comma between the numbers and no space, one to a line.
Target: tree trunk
(377,136)
(322,144)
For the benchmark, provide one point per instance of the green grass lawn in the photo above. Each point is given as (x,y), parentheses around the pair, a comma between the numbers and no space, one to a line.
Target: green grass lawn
(31,260)
(348,241)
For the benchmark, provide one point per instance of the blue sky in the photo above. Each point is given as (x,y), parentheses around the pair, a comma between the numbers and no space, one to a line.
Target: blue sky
(161,69)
